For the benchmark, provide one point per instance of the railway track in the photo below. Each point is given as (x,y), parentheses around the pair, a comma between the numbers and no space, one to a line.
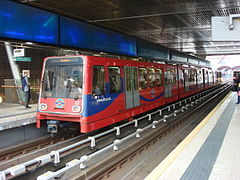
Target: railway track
(25,148)
(135,146)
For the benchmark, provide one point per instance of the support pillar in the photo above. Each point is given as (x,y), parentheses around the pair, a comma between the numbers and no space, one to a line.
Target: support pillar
(15,71)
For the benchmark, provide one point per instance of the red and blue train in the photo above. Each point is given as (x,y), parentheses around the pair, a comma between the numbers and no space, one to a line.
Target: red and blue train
(93,92)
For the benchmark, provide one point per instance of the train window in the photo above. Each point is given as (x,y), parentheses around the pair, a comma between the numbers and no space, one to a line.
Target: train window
(49,82)
(63,81)
(142,78)
(114,79)
(199,78)
(193,77)
(135,78)
(180,77)
(128,78)
(151,77)
(211,77)
(159,77)
(98,82)
(206,78)
(186,77)
(173,77)
(75,82)
(170,77)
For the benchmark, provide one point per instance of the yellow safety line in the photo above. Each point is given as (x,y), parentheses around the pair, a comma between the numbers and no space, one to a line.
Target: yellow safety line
(158,171)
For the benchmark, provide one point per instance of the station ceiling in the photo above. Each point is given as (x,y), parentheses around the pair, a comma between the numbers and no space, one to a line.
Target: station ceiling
(183,25)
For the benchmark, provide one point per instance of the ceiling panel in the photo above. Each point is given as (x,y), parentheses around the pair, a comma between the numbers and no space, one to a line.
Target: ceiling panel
(183,25)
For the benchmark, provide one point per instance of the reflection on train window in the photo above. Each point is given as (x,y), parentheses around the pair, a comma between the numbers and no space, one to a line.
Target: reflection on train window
(151,77)
(128,79)
(48,82)
(131,75)
(159,77)
(75,83)
(114,79)
(207,78)
(173,76)
(199,76)
(142,78)
(211,78)
(98,82)
(63,81)
(186,77)
(193,77)
(180,77)
(135,79)
(170,77)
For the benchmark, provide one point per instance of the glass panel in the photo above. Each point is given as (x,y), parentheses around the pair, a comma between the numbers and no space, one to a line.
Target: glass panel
(193,77)
(63,81)
(151,77)
(62,76)
(159,77)
(180,75)
(135,78)
(207,78)
(128,78)
(75,82)
(142,78)
(170,77)
(49,82)
(199,76)
(173,76)
(98,80)
(114,79)
(186,76)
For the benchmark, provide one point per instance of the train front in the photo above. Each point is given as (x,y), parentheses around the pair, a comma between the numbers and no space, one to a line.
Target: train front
(61,92)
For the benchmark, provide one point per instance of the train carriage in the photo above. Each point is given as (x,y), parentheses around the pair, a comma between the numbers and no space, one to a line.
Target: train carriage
(92,92)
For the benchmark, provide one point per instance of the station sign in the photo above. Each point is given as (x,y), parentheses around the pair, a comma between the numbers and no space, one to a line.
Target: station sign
(26,71)
(23,59)
(19,52)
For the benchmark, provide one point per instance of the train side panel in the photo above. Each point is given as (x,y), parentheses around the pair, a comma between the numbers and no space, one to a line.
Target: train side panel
(114,90)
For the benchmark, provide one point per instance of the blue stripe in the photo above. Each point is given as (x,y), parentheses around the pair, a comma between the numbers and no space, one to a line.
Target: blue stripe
(96,105)
(150,100)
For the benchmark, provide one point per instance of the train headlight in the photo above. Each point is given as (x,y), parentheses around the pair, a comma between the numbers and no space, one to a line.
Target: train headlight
(76,108)
(43,106)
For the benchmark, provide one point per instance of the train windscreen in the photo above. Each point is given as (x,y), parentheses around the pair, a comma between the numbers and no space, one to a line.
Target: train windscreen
(63,78)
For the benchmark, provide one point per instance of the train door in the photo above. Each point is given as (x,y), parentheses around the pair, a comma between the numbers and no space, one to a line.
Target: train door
(131,87)
(181,91)
(167,84)
(186,80)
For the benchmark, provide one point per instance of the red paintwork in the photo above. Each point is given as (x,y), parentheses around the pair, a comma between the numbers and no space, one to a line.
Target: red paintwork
(116,111)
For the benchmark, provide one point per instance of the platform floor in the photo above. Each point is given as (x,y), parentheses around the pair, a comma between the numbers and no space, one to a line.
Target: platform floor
(211,151)
(15,115)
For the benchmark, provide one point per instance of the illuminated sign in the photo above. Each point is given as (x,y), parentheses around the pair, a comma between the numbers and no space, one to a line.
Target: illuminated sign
(18,21)
(86,36)
(18,52)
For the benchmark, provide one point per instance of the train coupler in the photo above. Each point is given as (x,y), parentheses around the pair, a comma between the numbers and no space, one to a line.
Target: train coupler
(52,126)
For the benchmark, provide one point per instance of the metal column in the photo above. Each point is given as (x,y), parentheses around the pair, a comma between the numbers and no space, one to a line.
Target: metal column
(15,71)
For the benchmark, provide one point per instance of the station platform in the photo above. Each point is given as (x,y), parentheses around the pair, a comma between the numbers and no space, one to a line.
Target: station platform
(15,115)
(210,151)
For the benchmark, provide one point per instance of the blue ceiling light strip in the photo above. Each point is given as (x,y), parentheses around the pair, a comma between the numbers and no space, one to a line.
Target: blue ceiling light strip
(75,33)
(18,21)
(22,22)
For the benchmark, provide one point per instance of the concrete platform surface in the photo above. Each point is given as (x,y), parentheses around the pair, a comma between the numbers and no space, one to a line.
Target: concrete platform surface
(15,115)
(210,151)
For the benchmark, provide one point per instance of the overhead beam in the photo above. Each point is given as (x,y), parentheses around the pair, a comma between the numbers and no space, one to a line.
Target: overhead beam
(158,14)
